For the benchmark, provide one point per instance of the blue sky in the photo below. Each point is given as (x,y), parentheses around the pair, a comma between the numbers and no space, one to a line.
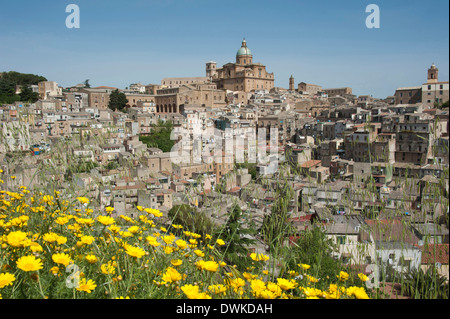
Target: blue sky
(320,42)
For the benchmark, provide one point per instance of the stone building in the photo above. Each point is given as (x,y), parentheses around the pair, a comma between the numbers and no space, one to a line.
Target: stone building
(408,95)
(311,89)
(433,90)
(338,91)
(244,75)
(47,89)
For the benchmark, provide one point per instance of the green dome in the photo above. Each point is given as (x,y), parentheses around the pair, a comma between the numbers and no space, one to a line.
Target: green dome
(244,50)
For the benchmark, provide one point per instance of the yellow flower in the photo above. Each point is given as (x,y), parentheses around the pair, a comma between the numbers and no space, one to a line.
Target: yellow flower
(62,259)
(181,244)
(304,266)
(17,238)
(286,284)
(106,220)
(35,247)
(6,279)
(168,250)
(109,209)
(108,268)
(54,270)
(236,283)
(249,276)
(133,229)
(92,259)
(87,240)
(171,275)
(190,291)
(312,292)
(199,253)
(217,289)
(83,200)
(259,257)
(29,263)
(273,287)
(293,273)
(363,277)
(312,279)
(86,286)
(135,251)
(343,276)
(210,266)
(176,262)
(62,220)
(114,229)
(61,240)
(358,292)
(153,241)
(258,286)
(168,239)
(125,234)
(220,242)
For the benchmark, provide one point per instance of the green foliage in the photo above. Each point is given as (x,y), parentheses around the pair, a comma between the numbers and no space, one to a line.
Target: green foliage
(27,95)
(191,219)
(22,78)
(313,247)
(250,166)
(275,228)
(112,165)
(159,136)
(8,82)
(117,101)
(420,284)
(237,238)
(81,167)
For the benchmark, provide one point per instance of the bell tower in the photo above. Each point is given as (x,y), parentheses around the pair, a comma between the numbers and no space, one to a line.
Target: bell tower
(432,74)
(291,84)
(211,69)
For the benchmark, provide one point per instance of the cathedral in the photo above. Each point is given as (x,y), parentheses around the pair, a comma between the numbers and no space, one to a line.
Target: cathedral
(244,75)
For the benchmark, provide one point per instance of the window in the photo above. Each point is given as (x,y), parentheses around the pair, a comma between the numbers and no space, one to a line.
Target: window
(405,262)
(340,240)
(345,259)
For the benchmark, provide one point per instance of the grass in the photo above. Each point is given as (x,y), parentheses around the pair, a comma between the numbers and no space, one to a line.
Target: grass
(81,254)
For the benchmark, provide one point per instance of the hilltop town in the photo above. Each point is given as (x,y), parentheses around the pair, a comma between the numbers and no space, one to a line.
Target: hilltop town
(373,171)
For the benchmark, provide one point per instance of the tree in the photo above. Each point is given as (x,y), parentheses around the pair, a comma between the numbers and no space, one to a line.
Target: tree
(27,94)
(313,247)
(276,228)
(86,84)
(191,219)
(236,237)
(159,136)
(9,81)
(7,91)
(117,100)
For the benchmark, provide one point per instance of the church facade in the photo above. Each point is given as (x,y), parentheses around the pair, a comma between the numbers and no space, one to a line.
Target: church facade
(244,75)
